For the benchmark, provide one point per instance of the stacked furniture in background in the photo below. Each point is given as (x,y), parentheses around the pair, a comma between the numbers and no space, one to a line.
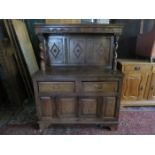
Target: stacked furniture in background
(146,44)
(17,62)
(139,74)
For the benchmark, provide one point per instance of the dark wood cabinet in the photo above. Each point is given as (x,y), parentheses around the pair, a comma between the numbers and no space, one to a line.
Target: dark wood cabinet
(78,82)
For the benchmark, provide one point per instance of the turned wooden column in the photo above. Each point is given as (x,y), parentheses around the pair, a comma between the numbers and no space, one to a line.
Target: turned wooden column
(42,46)
(116,39)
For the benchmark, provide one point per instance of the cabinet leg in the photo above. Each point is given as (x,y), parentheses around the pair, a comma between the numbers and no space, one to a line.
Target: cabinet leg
(100,126)
(43,126)
(112,127)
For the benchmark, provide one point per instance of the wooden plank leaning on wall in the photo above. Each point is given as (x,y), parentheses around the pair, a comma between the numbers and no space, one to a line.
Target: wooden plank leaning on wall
(11,79)
(24,55)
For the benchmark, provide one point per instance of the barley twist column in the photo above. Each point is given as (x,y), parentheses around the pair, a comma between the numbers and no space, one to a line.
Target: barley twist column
(42,46)
(116,39)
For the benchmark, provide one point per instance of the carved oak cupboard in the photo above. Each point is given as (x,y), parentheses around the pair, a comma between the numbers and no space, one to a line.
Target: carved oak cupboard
(78,82)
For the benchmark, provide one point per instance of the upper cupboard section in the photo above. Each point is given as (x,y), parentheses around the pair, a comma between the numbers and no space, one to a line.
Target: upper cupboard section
(80,50)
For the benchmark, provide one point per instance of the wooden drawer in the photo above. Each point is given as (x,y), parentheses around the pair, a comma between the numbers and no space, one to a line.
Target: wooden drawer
(137,67)
(106,87)
(56,86)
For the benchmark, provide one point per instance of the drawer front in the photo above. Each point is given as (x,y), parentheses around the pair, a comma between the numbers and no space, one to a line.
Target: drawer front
(106,87)
(137,67)
(56,86)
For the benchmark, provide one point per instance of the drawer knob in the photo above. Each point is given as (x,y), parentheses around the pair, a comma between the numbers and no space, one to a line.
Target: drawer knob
(151,87)
(141,88)
(137,68)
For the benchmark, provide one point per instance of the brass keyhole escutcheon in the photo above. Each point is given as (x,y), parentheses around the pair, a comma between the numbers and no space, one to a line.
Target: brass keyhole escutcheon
(137,68)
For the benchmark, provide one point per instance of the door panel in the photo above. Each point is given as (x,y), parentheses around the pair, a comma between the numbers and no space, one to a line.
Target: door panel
(47,106)
(66,107)
(98,50)
(56,50)
(76,50)
(88,107)
(151,95)
(133,85)
(110,106)
(136,81)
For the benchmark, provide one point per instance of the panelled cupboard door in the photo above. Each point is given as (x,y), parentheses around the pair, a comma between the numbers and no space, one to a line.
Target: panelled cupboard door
(76,52)
(134,85)
(98,107)
(66,107)
(72,107)
(151,94)
(88,106)
(56,50)
(47,106)
(109,106)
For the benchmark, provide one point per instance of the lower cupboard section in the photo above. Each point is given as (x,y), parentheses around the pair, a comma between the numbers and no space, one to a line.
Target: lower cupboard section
(68,108)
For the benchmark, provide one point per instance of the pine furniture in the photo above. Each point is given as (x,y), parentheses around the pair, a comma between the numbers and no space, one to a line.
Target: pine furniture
(138,83)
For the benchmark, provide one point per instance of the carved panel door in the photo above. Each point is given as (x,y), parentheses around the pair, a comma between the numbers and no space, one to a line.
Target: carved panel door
(88,107)
(47,107)
(77,47)
(69,108)
(109,107)
(134,85)
(58,107)
(99,50)
(56,54)
(98,107)
(151,95)
(66,107)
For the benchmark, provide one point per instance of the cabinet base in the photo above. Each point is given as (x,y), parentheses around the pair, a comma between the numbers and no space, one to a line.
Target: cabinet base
(138,103)
(111,127)
(45,125)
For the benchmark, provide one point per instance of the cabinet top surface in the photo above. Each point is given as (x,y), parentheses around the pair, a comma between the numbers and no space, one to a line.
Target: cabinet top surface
(79,71)
(78,28)
(133,61)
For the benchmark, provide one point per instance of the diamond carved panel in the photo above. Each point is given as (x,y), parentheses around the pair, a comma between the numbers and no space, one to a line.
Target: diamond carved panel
(100,49)
(55,50)
(77,50)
